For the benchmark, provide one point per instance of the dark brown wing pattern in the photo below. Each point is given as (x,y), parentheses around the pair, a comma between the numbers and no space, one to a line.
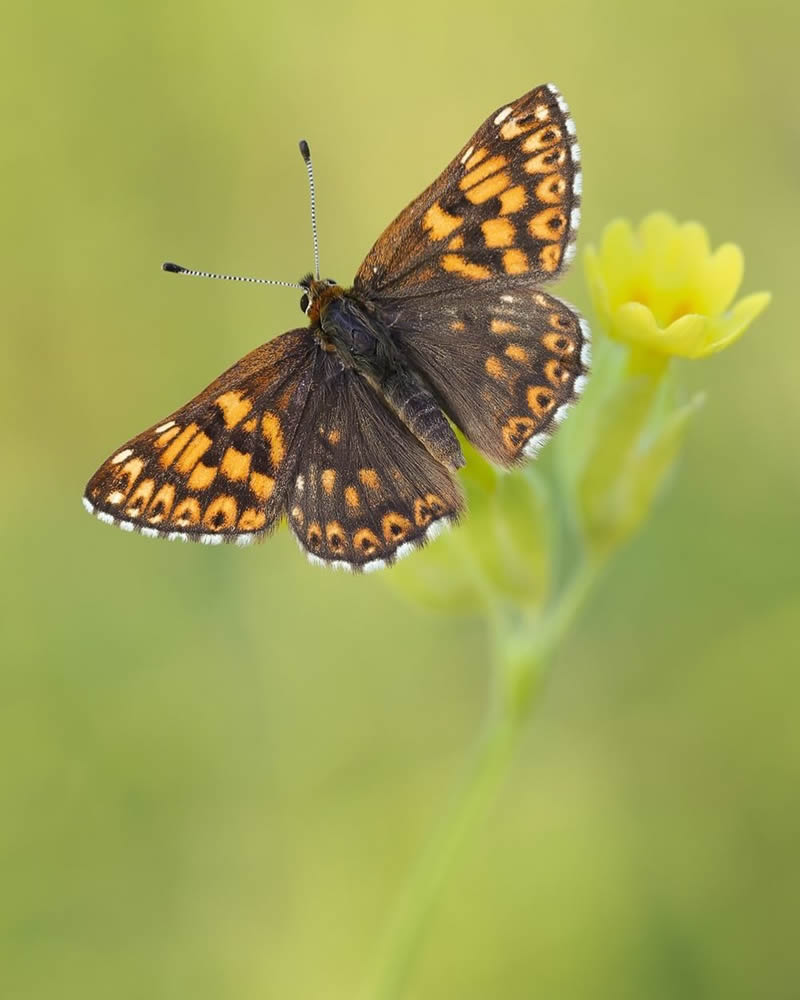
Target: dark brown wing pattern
(218,468)
(507,206)
(365,490)
(505,364)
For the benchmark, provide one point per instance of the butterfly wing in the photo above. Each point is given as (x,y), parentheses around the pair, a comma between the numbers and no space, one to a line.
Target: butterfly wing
(366,491)
(458,275)
(507,206)
(217,469)
(504,365)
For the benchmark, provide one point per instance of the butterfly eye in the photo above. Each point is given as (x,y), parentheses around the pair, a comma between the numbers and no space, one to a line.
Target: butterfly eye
(304,303)
(331,281)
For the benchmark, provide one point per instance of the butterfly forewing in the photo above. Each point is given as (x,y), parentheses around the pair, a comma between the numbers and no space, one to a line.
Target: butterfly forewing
(216,469)
(365,490)
(506,207)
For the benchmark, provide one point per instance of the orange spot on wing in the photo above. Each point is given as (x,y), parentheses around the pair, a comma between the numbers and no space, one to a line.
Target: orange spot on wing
(369,478)
(167,436)
(262,485)
(161,504)
(171,452)
(548,224)
(489,188)
(516,353)
(556,373)
(546,162)
(561,322)
(351,498)
(541,400)
(459,265)
(512,200)
(457,243)
(440,223)
(187,513)
(503,326)
(542,138)
(395,527)
(235,464)
(252,520)
(234,406)
(476,158)
(498,232)
(483,170)
(193,452)
(335,534)
(552,189)
(249,426)
(515,262)
(128,475)
(202,476)
(273,435)
(550,256)
(511,129)
(516,432)
(140,498)
(220,515)
(366,542)
(427,508)
(559,343)
(494,367)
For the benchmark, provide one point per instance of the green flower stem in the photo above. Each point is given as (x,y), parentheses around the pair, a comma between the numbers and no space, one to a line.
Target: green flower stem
(468,807)
(523,646)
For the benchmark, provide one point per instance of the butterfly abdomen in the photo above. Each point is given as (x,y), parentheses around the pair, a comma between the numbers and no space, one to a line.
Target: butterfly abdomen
(419,411)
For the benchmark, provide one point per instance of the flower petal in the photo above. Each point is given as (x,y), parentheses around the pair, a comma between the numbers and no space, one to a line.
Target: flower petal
(656,230)
(686,335)
(660,241)
(694,244)
(726,329)
(634,323)
(665,274)
(719,279)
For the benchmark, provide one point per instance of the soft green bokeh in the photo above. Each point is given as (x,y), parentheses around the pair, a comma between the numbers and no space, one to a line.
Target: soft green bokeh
(218,763)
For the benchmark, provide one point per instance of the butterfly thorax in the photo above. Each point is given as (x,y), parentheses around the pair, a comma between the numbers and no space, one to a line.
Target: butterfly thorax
(358,332)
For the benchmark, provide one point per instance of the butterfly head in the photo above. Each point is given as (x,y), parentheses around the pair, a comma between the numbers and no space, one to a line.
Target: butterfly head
(316,293)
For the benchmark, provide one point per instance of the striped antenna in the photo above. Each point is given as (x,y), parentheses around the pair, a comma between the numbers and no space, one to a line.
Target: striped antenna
(177,269)
(306,154)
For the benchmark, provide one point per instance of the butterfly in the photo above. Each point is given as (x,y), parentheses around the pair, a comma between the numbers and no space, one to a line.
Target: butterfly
(345,426)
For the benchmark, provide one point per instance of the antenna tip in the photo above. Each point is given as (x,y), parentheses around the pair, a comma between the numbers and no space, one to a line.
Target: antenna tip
(305,152)
(169,266)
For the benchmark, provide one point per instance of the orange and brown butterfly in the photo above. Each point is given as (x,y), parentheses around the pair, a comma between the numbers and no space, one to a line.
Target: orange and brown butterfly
(344,426)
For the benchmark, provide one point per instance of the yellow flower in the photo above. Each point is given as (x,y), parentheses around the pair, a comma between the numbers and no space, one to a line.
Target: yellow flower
(662,291)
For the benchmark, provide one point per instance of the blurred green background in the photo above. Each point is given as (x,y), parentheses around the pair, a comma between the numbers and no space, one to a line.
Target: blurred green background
(218,764)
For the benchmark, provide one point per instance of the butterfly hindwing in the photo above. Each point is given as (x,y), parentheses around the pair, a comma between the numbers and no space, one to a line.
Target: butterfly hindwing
(506,207)
(505,365)
(216,469)
(366,491)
